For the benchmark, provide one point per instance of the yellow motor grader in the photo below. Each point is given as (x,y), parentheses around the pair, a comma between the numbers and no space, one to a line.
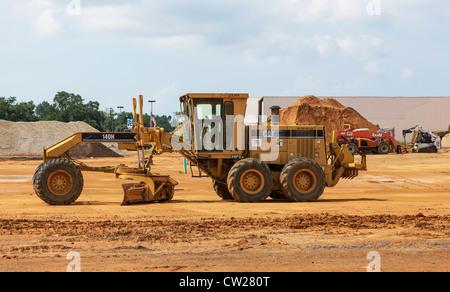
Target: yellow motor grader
(247,163)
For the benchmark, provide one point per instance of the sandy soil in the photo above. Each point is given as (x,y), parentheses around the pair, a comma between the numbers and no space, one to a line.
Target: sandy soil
(400,208)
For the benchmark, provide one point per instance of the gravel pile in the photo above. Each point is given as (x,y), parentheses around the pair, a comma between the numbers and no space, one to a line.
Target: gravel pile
(29,139)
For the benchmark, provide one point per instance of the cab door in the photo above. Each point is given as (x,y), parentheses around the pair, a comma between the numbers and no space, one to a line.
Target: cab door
(208,125)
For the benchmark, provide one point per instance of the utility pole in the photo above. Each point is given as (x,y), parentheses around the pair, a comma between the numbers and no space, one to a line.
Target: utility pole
(120,107)
(112,114)
(151,112)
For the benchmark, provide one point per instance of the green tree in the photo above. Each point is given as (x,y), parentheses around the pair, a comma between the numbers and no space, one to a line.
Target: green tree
(164,122)
(47,112)
(17,112)
(121,121)
(70,107)
(108,123)
(5,107)
(118,121)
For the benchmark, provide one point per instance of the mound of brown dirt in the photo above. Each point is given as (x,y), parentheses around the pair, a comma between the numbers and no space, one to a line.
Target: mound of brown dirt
(310,110)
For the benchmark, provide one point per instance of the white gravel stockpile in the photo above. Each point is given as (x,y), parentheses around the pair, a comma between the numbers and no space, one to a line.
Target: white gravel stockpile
(29,139)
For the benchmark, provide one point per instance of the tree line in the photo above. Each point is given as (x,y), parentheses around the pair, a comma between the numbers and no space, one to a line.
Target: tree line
(70,107)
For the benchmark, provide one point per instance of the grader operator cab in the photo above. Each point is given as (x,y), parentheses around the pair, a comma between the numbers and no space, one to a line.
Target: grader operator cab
(247,163)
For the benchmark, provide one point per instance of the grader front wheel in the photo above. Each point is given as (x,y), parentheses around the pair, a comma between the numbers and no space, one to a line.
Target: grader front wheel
(58,182)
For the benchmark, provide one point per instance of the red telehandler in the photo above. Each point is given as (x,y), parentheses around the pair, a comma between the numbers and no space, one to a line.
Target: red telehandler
(369,142)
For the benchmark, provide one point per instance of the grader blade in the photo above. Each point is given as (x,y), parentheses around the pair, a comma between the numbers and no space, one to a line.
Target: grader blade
(162,189)
(136,193)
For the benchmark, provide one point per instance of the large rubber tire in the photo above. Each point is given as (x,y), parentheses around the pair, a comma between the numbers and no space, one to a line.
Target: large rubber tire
(221,190)
(383,148)
(58,182)
(302,180)
(352,148)
(250,180)
(36,172)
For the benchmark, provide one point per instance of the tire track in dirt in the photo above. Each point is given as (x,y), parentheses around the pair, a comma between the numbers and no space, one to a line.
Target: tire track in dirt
(173,231)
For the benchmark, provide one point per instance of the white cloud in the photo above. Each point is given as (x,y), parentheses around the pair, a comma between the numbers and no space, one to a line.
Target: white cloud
(407,73)
(361,48)
(152,24)
(305,86)
(356,47)
(373,67)
(325,46)
(109,17)
(186,41)
(269,32)
(255,56)
(250,45)
(167,91)
(46,25)
(41,15)
(165,98)
(354,87)
(346,44)
(270,46)
(323,10)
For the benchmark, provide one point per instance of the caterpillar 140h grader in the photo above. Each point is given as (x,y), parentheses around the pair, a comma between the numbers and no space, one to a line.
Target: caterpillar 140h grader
(247,163)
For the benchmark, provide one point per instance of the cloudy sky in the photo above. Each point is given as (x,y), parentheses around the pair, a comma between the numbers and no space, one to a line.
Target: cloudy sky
(111,51)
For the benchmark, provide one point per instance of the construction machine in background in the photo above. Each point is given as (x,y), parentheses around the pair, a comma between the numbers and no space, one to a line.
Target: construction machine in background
(381,142)
(247,163)
(422,140)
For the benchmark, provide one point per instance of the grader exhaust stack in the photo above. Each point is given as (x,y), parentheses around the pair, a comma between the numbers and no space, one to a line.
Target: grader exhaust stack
(59,181)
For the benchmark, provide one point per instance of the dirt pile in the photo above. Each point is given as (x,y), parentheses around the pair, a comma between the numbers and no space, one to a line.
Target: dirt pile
(310,110)
(29,139)
(446,141)
(92,150)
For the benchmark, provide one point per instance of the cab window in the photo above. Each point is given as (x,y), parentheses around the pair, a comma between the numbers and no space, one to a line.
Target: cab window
(208,124)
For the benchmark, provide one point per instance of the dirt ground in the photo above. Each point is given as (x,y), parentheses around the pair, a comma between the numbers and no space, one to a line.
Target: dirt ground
(399,208)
